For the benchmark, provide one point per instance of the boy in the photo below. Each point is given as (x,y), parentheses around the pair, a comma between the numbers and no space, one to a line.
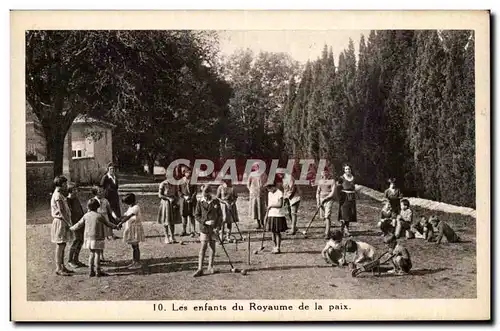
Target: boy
(333,251)
(404,220)
(209,215)
(105,210)
(324,199)
(385,223)
(444,230)
(401,259)
(364,252)
(76,214)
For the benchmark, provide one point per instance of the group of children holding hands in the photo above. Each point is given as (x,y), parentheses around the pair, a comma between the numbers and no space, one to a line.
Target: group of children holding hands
(90,229)
(395,222)
(215,214)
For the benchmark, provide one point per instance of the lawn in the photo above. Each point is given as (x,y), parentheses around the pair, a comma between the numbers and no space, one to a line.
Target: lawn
(446,271)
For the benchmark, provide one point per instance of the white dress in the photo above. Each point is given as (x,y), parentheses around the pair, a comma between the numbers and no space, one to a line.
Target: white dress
(133,232)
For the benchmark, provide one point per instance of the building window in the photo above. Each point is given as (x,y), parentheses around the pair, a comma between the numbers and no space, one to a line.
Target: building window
(82,148)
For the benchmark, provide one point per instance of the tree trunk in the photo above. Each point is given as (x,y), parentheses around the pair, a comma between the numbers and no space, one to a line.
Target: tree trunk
(151,165)
(55,150)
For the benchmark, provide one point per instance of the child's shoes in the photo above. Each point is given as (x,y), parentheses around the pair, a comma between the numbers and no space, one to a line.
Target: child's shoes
(212,271)
(198,273)
(100,273)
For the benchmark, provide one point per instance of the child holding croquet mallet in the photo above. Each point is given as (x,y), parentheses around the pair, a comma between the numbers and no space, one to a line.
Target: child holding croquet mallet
(401,259)
(276,215)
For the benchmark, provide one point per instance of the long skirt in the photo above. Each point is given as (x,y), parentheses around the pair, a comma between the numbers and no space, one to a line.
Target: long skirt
(229,213)
(257,208)
(347,210)
(114,202)
(168,213)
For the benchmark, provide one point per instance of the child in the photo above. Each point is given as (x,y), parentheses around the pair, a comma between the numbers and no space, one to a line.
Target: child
(168,213)
(209,215)
(276,219)
(404,220)
(444,230)
(105,210)
(257,203)
(324,199)
(94,224)
(188,203)
(227,196)
(291,194)
(394,195)
(60,232)
(401,260)
(333,251)
(423,229)
(76,214)
(133,232)
(385,223)
(364,252)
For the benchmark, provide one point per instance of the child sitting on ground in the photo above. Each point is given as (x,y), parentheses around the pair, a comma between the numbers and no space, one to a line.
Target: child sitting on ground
(394,196)
(401,259)
(404,221)
(208,213)
(423,229)
(333,251)
(444,230)
(385,223)
(364,252)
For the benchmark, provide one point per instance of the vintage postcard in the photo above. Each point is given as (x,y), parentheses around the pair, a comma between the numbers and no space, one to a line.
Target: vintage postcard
(250,165)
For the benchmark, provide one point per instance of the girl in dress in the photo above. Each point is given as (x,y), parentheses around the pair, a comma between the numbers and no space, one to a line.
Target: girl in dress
(347,210)
(255,186)
(94,224)
(291,195)
(276,216)
(60,232)
(133,232)
(394,196)
(105,210)
(227,197)
(168,214)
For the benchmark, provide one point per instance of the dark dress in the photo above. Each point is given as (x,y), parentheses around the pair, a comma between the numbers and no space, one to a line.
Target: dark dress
(76,214)
(394,197)
(110,187)
(188,197)
(347,201)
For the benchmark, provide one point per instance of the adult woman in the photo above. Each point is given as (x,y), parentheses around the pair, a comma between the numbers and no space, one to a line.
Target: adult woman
(291,196)
(256,186)
(347,208)
(109,183)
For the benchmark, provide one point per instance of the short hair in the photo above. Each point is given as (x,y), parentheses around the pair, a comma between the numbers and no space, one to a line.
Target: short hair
(405,202)
(60,180)
(205,188)
(335,235)
(346,164)
(351,246)
(71,186)
(433,219)
(96,189)
(129,199)
(391,180)
(109,165)
(93,204)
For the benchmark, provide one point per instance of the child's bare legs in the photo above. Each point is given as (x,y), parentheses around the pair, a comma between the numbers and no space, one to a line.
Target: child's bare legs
(192,226)
(136,255)
(278,241)
(167,235)
(93,256)
(184,225)
(211,257)
(293,216)
(59,256)
(201,257)
(171,228)
(98,271)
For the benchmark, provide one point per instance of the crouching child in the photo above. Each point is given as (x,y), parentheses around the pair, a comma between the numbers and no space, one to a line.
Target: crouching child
(443,230)
(209,215)
(333,251)
(364,252)
(401,259)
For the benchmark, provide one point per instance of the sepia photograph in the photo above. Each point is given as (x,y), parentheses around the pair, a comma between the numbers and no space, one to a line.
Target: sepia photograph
(250,170)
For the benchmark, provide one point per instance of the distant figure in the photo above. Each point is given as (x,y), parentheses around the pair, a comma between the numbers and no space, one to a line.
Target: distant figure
(404,221)
(109,183)
(227,197)
(444,230)
(276,223)
(257,206)
(401,259)
(187,193)
(169,213)
(394,195)
(76,214)
(386,219)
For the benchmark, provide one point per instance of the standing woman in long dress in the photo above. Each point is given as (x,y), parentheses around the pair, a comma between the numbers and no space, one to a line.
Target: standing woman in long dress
(347,208)
(256,185)
(168,213)
(109,183)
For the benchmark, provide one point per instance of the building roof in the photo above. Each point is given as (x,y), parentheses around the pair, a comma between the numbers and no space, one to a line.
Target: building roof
(90,120)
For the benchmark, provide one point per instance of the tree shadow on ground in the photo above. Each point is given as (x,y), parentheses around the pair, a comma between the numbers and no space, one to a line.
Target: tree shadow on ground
(288,267)
(415,272)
